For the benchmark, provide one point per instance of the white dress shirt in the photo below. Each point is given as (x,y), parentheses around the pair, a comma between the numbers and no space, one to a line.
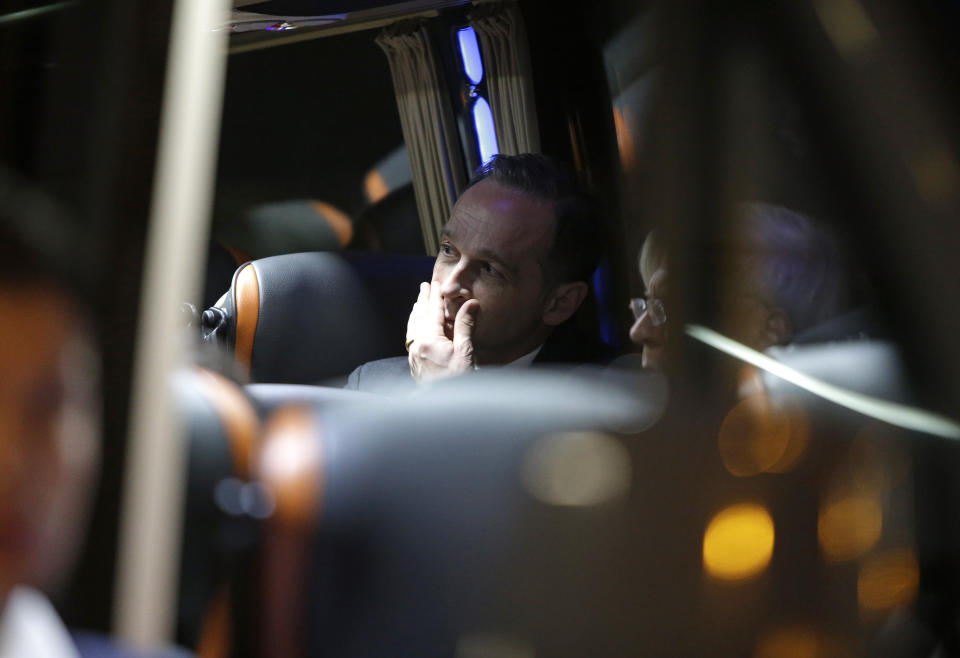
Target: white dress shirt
(31,628)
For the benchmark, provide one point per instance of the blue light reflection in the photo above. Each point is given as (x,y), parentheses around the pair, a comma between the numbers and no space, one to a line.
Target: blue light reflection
(486,133)
(470,53)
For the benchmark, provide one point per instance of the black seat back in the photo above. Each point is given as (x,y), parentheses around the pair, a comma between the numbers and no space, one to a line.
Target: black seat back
(314,316)
(486,509)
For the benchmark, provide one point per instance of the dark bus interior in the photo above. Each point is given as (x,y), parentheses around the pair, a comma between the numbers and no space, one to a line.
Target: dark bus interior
(422,536)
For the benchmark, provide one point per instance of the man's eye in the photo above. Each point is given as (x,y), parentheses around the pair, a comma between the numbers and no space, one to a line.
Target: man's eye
(446,249)
(489,269)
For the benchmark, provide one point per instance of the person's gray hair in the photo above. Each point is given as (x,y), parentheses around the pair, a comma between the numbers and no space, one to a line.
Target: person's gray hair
(653,256)
(796,261)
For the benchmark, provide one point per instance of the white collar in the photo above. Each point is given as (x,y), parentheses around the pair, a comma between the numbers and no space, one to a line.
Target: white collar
(31,627)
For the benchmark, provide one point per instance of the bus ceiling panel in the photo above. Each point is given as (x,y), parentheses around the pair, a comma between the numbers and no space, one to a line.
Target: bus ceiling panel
(275,23)
(322,7)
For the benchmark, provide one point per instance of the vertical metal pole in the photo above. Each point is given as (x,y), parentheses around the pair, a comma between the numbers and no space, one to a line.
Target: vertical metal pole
(150,533)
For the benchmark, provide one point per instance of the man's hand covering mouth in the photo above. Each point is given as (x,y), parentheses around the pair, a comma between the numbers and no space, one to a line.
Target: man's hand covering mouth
(433,353)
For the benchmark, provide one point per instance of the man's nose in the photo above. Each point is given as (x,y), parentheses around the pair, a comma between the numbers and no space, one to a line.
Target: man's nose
(456,282)
(643,332)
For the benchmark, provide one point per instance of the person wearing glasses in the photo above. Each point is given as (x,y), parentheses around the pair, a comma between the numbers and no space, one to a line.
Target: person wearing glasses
(649,328)
(782,279)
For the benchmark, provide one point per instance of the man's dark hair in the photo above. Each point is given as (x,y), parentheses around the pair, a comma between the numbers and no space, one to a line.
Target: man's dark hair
(578,233)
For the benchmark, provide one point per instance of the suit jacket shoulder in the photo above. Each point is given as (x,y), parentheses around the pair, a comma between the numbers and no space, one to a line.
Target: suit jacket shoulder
(384,376)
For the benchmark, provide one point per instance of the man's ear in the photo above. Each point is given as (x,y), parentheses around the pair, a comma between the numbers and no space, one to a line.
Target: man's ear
(563,301)
(777,329)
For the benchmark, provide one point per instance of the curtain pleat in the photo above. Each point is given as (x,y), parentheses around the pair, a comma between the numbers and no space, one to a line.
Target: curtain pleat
(508,73)
(427,125)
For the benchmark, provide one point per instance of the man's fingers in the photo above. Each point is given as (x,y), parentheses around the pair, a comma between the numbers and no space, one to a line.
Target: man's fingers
(416,313)
(466,318)
(463,327)
(436,308)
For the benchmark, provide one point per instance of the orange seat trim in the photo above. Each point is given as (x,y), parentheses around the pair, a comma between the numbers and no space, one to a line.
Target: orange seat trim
(247,304)
(375,186)
(338,221)
(290,464)
(236,413)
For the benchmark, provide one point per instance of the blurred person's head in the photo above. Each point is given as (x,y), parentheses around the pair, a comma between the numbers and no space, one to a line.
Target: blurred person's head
(523,240)
(49,400)
(649,328)
(781,274)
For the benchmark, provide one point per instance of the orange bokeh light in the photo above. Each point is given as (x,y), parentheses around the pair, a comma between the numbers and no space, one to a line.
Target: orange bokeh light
(888,580)
(760,436)
(849,526)
(738,542)
(789,642)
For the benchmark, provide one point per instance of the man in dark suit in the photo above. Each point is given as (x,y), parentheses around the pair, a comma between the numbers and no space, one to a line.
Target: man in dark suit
(514,265)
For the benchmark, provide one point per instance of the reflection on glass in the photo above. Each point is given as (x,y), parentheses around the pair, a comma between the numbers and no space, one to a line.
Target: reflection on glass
(789,642)
(848,25)
(625,139)
(849,526)
(888,580)
(470,54)
(935,172)
(852,511)
(759,436)
(738,542)
(898,415)
(486,133)
(799,424)
(879,458)
(577,469)
(281,27)
(804,641)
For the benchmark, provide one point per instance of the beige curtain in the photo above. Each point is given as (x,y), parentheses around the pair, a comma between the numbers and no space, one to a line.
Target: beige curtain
(506,60)
(428,126)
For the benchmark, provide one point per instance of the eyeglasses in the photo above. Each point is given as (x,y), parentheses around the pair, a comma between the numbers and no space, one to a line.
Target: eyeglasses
(652,306)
